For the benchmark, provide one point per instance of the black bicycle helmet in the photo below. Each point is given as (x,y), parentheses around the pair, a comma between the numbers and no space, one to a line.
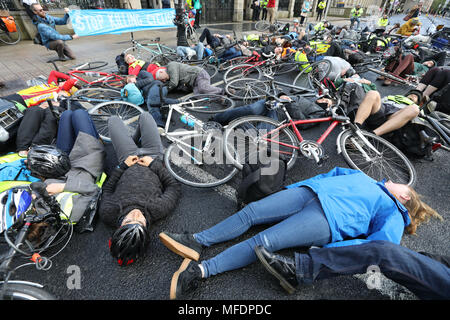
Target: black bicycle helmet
(47,161)
(415,92)
(128,243)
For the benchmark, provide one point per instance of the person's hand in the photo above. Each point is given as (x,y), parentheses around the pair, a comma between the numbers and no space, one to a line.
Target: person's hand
(54,188)
(145,161)
(66,10)
(131,160)
(75,36)
(285,98)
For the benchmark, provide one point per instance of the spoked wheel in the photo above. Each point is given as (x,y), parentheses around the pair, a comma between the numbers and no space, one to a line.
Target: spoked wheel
(247,89)
(164,58)
(208,103)
(23,291)
(232,62)
(198,161)
(262,25)
(247,138)
(385,162)
(90,65)
(313,74)
(94,96)
(11,37)
(245,70)
(285,67)
(140,53)
(115,83)
(127,112)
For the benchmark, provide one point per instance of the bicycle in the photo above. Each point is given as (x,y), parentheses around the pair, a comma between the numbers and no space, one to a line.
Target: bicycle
(89,97)
(147,51)
(362,150)
(43,209)
(264,25)
(10,32)
(195,157)
(410,80)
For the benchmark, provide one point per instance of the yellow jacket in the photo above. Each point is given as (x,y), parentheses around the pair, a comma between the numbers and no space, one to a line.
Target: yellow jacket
(408,28)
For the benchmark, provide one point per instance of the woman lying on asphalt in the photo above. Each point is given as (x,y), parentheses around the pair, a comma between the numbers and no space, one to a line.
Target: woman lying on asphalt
(339,208)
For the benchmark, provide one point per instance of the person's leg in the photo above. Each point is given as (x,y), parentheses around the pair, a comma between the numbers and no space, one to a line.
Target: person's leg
(48,129)
(427,78)
(308,227)
(58,46)
(81,121)
(405,65)
(370,105)
(440,80)
(68,52)
(203,85)
(154,103)
(148,133)
(181,51)
(425,277)
(210,39)
(256,108)
(398,120)
(122,142)
(29,126)
(271,209)
(65,138)
(358,21)
(200,49)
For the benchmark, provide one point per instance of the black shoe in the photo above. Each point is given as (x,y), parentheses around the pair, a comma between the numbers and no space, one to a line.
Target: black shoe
(182,244)
(283,268)
(185,279)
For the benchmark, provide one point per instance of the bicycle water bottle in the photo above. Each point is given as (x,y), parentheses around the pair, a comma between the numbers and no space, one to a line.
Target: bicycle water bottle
(187,120)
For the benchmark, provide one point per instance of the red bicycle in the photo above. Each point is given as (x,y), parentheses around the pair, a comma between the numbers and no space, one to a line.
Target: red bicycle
(257,136)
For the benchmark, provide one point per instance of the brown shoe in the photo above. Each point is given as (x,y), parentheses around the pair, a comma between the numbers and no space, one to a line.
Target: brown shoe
(387,82)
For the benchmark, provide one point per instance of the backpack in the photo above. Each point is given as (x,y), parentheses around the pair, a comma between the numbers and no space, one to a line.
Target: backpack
(352,94)
(122,66)
(408,139)
(257,183)
(355,58)
(303,109)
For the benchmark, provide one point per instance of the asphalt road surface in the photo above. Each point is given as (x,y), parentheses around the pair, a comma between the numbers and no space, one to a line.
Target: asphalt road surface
(149,279)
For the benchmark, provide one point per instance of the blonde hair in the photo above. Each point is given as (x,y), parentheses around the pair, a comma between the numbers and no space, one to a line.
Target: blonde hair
(419,212)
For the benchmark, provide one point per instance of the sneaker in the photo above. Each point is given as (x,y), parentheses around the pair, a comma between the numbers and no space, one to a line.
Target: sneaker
(185,279)
(161,131)
(182,244)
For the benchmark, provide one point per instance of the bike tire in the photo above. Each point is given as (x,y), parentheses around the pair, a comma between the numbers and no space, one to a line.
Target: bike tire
(314,73)
(247,89)
(215,103)
(163,59)
(92,65)
(285,67)
(94,96)
(262,25)
(179,159)
(244,70)
(245,137)
(140,53)
(232,62)
(20,291)
(391,164)
(11,37)
(127,112)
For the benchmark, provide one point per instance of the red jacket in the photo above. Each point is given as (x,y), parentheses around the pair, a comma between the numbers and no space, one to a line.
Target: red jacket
(271,3)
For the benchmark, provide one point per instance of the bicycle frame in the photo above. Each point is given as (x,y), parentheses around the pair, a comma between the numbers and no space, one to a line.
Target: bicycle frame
(105,77)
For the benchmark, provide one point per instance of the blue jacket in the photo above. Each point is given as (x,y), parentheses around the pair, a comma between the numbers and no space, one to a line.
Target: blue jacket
(46,28)
(357,206)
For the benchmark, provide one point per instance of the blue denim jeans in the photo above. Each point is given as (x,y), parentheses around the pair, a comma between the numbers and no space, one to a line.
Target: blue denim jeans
(425,277)
(70,124)
(230,54)
(199,49)
(256,108)
(300,221)
(352,21)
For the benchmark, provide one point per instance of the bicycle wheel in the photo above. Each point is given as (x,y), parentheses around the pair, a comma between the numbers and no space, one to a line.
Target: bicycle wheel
(244,70)
(386,163)
(140,53)
(262,25)
(285,67)
(311,76)
(22,291)
(164,58)
(208,103)
(232,62)
(90,65)
(94,96)
(127,112)
(256,136)
(191,36)
(11,37)
(247,89)
(115,83)
(197,161)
